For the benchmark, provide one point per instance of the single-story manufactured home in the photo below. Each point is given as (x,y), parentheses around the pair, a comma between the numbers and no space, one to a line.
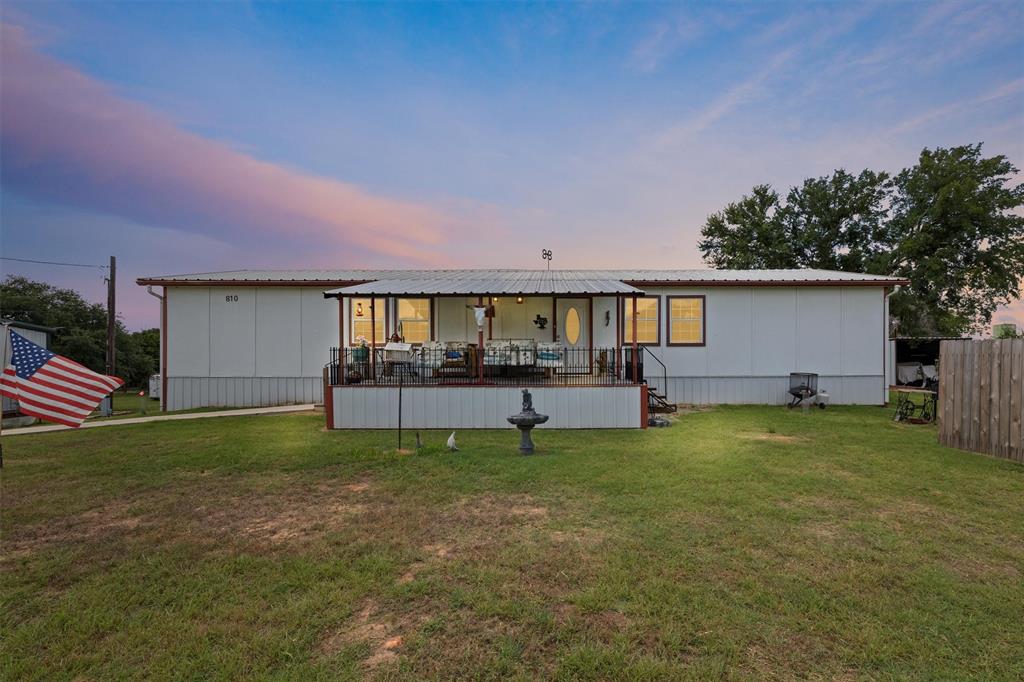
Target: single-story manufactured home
(462,344)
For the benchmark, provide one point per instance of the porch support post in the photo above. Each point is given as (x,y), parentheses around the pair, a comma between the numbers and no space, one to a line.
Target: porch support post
(619,308)
(341,340)
(373,337)
(480,347)
(634,340)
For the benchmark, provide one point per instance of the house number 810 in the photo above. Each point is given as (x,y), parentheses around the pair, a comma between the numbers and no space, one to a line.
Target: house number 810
(231,298)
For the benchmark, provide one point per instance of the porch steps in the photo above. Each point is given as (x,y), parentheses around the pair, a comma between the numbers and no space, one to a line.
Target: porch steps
(658,403)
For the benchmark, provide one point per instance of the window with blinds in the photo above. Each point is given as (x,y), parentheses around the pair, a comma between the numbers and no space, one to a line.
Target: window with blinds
(414,319)
(686,320)
(648,320)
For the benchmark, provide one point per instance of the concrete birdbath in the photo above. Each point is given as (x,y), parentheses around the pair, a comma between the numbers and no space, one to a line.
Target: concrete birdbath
(525,421)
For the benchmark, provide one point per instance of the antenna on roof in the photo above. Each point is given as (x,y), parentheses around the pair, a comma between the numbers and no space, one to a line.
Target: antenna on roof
(546,255)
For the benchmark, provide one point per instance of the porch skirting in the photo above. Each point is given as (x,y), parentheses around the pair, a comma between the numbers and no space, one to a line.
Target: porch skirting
(743,390)
(484,407)
(186,393)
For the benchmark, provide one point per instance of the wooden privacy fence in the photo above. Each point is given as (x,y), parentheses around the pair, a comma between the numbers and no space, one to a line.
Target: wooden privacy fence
(981,396)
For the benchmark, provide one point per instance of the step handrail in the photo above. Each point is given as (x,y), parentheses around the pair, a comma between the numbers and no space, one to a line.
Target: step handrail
(664,369)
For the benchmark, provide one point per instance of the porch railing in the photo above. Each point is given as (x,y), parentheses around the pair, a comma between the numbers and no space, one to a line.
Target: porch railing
(502,365)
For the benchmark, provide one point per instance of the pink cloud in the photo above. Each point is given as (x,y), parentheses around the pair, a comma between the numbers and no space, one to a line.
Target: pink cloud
(70,138)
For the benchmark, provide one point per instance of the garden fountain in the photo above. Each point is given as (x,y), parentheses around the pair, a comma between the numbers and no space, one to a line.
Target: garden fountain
(525,421)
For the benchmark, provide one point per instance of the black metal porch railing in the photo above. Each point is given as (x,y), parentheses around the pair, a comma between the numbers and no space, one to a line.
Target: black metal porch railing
(503,365)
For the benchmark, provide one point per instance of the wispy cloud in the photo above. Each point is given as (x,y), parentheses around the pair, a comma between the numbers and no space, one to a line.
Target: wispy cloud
(1010,89)
(663,40)
(736,96)
(70,138)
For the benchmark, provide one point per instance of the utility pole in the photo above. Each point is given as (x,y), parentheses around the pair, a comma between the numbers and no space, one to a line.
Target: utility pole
(107,406)
(111,316)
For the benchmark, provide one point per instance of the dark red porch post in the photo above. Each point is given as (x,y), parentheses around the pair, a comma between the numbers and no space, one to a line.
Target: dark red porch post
(634,339)
(373,337)
(341,340)
(620,306)
(480,346)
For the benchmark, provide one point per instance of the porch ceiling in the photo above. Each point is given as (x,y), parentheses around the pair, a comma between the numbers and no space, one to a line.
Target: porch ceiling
(491,282)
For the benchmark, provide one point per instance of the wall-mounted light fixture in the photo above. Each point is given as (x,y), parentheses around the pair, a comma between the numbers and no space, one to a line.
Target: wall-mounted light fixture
(607,317)
(359,309)
(519,299)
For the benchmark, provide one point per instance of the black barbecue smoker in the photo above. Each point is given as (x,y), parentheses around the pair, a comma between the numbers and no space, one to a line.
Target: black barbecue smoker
(802,386)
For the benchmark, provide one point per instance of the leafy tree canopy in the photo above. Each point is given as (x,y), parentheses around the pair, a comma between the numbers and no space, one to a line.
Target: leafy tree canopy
(81,328)
(951,225)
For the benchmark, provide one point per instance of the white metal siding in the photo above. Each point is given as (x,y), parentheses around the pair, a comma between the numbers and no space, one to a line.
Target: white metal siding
(319,330)
(232,337)
(188,331)
(185,393)
(819,324)
(485,407)
(730,334)
(863,332)
(605,335)
(278,332)
(775,338)
(842,390)
(755,337)
(267,348)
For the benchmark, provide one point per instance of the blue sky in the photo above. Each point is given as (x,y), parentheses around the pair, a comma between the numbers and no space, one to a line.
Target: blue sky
(192,137)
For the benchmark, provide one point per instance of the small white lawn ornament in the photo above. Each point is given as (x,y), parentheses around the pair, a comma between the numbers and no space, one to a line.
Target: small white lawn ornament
(451,443)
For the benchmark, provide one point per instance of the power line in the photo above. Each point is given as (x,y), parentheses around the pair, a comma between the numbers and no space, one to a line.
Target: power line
(53,262)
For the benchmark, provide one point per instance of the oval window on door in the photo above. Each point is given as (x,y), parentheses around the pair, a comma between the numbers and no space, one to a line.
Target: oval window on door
(572,326)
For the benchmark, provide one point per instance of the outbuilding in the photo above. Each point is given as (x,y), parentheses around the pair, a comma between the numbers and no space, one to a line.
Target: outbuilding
(37,334)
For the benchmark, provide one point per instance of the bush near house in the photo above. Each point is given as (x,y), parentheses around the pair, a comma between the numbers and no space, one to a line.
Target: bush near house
(742,542)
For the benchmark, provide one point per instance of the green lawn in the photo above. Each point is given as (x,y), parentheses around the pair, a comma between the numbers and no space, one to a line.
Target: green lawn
(742,542)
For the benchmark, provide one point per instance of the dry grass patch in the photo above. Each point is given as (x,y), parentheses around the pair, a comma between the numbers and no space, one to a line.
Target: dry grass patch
(769,437)
(98,524)
(293,514)
(383,633)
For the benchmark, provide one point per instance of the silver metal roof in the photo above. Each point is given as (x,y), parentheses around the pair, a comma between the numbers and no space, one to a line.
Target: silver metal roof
(357,282)
(503,282)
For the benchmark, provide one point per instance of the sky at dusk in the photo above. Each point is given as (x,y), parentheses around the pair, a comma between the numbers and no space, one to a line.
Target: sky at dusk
(191,137)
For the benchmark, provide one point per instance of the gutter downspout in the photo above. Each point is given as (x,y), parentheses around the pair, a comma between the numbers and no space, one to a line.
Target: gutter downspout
(163,344)
(886,293)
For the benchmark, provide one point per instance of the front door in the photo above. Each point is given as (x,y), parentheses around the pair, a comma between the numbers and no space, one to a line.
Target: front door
(574,333)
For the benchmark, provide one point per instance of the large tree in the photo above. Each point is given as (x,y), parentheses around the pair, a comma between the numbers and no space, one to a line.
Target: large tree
(951,225)
(81,328)
(956,233)
(833,222)
(748,234)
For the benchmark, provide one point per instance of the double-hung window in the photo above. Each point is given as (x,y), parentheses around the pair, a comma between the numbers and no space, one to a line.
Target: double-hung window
(686,325)
(648,314)
(414,319)
(367,324)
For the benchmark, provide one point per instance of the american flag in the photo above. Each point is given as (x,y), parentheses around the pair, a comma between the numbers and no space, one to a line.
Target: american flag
(50,386)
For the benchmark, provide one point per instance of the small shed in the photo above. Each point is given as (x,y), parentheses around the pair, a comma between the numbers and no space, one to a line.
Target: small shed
(35,333)
(915,357)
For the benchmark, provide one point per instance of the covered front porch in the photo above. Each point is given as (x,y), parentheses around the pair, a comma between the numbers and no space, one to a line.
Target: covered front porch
(454,334)
(490,327)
